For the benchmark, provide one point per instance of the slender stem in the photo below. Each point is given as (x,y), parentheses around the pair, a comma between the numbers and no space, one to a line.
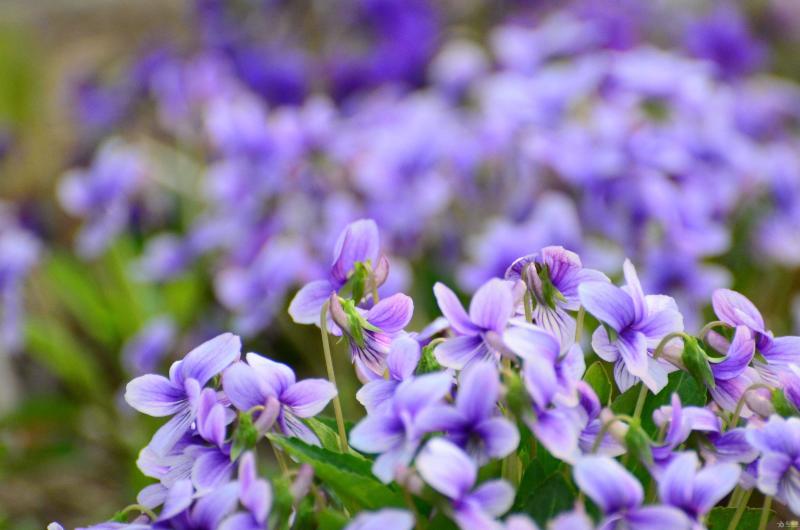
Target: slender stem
(526,302)
(735,497)
(604,429)
(141,509)
(418,522)
(579,324)
(637,412)
(762,524)
(661,345)
(740,405)
(337,405)
(280,459)
(734,524)
(708,327)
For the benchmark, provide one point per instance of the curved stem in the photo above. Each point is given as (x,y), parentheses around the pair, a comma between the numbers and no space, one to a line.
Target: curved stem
(280,459)
(734,524)
(708,327)
(337,405)
(762,524)
(604,430)
(141,509)
(740,403)
(668,337)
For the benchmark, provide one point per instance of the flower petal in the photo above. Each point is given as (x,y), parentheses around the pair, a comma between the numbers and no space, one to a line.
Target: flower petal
(713,483)
(277,376)
(155,395)
(457,352)
(735,309)
(608,303)
(306,306)
(478,389)
(446,468)
(492,305)
(211,357)
(403,357)
(359,241)
(453,311)
(499,435)
(527,340)
(739,355)
(307,398)
(392,314)
(634,288)
(243,387)
(376,434)
(608,484)
(495,497)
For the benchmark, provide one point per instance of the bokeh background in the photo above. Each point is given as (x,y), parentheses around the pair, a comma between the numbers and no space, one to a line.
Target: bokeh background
(171,169)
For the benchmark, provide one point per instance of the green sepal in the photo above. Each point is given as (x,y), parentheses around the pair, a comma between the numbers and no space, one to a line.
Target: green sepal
(245,436)
(427,361)
(356,322)
(357,282)
(695,360)
(549,291)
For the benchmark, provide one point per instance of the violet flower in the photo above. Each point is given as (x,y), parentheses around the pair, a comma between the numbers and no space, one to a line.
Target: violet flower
(732,374)
(474,423)
(402,360)
(369,333)
(620,496)
(779,464)
(680,422)
(252,384)
(358,243)
(155,395)
(553,276)
(695,491)
(634,325)
(449,470)
(477,334)
(395,431)
(255,495)
(145,350)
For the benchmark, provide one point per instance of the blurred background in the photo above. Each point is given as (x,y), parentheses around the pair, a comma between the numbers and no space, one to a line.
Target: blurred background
(172,169)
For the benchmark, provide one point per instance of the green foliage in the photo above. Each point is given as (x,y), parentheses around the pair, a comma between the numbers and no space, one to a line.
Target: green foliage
(720,518)
(690,392)
(695,360)
(347,476)
(545,490)
(600,380)
(245,436)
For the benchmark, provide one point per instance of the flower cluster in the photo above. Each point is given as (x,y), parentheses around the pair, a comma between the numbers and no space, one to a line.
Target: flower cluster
(511,415)
(574,130)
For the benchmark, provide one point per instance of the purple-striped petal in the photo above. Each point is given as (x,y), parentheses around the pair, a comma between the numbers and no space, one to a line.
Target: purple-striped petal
(277,376)
(608,303)
(155,395)
(415,394)
(634,289)
(735,309)
(492,305)
(307,398)
(168,434)
(359,241)
(306,306)
(739,355)
(527,340)
(457,352)
(211,509)
(392,314)
(211,469)
(243,387)
(179,498)
(453,311)
(211,357)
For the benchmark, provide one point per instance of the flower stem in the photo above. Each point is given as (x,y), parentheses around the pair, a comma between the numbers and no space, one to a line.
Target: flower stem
(526,302)
(418,522)
(337,405)
(579,324)
(280,459)
(637,412)
(762,524)
(740,510)
(740,404)
(141,509)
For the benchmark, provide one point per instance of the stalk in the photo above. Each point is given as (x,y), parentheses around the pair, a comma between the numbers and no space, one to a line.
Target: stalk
(762,524)
(337,405)
(739,511)
(637,412)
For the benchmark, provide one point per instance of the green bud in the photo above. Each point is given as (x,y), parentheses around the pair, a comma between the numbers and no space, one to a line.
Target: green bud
(427,362)
(783,406)
(358,280)
(638,443)
(245,436)
(695,360)
(549,291)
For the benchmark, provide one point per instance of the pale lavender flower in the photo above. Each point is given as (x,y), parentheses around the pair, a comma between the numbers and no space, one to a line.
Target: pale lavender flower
(620,497)
(145,350)
(255,495)
(695,491)
(252,384)
(388,518)
(736,310)
(633,326)
(449,470)
(395,431)
(779,464)
(732,374)
(179,395)
(680,422)
(478,333)
(553,276)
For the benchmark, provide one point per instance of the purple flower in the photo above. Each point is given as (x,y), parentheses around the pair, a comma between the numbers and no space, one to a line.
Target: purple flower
(608,446)
(449,470)
(696,492)
(679,422)
(143,352)
(395,431)
(478,333)
(736,310)
(779,464)
(255,495)
(474,423)
(178,396)
(620,496)
(19,253)
(732,374)
(553,276)
(402,360)
(252,384)
(633,325)
(388,518)
(370,332)
(358,243)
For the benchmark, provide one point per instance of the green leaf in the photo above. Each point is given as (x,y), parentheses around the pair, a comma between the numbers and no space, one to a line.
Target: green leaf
(348,476)
(542,469)
(331,520)
(782,405)
(720,518)
(245,436)
(638,443)
(328,435)
(550,498)
(600,381)
(691,394)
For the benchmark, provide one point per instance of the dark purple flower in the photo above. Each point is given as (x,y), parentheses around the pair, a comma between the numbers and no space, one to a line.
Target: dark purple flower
(449,470)
(477,334)
(252,384)
(179,395)
(620,496)
(633,326)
